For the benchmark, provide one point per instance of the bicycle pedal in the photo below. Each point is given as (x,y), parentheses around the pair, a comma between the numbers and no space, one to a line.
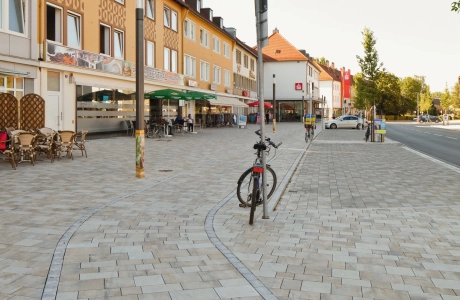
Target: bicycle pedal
(242,205)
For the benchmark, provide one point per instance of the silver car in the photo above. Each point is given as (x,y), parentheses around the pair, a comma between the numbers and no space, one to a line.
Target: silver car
(344,122)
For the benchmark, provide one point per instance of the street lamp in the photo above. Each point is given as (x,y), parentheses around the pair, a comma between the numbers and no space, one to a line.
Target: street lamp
(140,171)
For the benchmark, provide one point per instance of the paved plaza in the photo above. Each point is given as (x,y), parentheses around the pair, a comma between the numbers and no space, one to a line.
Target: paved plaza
(349,220)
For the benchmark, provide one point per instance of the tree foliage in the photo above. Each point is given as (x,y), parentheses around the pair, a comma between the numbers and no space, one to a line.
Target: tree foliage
(446,99)
(455,95)
(366,88)
(426,100)
(389,94)
(321,60)
(456,6)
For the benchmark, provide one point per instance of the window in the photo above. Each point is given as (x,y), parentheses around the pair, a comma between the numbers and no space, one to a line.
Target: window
(245,61)
(216,44)
(53,23)
(189,66)
(167,59)
(104,43)
(198,5)
(167,17)
(174,21)
(118,44)
(252,64)
(150,9)
(226,50)
(73,31)
(204,71)
(174,61)
(204,38)
(150,55)
(120,1)
(226,77)
(216,75)
(13,16)
(13,86)
(54,81)
(189,29)
(238,57)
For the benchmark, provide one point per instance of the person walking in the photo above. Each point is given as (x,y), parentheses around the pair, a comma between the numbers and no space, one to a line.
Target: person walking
(267,117)
(190,123)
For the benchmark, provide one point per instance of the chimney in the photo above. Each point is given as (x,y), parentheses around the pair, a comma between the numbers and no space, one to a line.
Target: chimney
(332,65)
(327,63)
(276,30)
(231,31)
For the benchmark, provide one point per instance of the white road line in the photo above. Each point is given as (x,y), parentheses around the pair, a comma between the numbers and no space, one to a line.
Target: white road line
(435,160)
(437,134)
(451,138)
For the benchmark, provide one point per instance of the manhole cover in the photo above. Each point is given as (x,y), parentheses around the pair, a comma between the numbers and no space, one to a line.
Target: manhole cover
(165,171)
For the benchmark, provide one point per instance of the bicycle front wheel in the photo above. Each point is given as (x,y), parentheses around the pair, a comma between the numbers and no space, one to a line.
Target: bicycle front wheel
(245,185)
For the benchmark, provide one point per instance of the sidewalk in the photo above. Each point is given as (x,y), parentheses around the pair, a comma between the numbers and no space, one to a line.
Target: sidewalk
(356,220)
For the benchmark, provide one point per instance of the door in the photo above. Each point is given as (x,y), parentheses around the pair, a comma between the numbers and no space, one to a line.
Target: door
(53,112)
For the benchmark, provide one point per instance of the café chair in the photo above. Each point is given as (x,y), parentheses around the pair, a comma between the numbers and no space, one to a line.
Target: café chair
(7,148)
(79,141)
(26,147)
(46,145)
(65,143)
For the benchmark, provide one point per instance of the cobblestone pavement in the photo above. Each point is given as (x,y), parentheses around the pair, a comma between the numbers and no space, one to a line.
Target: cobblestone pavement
(356,221)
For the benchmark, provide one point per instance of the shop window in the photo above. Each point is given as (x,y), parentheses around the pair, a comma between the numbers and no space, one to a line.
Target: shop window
(216,75)
(12,85)
(189,66)
(204,71)
(150,60)
(104,32)
(53,23)
(118,44)
(73,30)
(150,9)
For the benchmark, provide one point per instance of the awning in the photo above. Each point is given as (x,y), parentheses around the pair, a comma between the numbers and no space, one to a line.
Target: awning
(227,101)
(7,72)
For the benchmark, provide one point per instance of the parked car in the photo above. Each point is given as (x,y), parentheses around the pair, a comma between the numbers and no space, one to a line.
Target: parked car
(427,118)
(344,122)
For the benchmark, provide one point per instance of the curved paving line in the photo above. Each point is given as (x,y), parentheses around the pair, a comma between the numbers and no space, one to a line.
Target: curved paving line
(54,273)
(263,291)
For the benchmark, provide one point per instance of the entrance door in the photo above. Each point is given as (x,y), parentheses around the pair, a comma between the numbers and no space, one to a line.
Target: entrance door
(53,112)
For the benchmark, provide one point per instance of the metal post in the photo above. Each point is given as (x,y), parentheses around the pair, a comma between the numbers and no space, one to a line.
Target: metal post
(260,92)
(373,120)
(140,139)
(310,106)
(274,104)
(417,108)
(323,122)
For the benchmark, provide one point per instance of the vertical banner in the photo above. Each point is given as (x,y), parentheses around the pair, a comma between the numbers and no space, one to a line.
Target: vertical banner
(346,84)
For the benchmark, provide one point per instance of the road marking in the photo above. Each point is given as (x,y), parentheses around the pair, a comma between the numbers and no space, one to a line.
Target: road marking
(451,138)
(435,160)
(437,134)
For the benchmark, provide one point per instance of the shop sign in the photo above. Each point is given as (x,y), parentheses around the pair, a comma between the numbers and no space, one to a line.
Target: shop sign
(213,87)
(241,122)
(88,60)
(298,86)
(380,126)
(192,83)
(253,94)
(229,91)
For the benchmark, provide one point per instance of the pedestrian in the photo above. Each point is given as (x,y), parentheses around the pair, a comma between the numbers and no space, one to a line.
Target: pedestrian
(267,117)
(190,123)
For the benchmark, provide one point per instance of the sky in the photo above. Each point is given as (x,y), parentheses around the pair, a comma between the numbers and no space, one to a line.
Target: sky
(414,37)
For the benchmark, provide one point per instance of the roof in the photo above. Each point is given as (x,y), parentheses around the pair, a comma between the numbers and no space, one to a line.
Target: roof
(279,49)
(328,73)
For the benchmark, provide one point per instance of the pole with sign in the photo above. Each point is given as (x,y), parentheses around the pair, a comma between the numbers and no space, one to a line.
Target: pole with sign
(140,89)
(261,8)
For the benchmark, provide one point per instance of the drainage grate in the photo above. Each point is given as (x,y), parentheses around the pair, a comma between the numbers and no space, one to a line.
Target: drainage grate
(165,171)
(164,140)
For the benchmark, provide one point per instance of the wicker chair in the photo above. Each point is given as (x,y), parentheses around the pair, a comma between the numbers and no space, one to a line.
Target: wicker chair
(79,141)
(26,147)
(7,149)
(46,144)
(65,143)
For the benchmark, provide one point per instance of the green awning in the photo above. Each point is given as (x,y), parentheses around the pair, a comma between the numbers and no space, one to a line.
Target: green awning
(13,73)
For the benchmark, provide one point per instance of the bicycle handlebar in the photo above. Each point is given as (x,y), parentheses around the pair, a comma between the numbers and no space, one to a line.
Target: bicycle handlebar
(268,140)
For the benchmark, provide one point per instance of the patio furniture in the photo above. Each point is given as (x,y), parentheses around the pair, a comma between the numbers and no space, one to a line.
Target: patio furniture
(7,148)
(79,141)
(130,127)
(26,147)
(46,144)
(65,143)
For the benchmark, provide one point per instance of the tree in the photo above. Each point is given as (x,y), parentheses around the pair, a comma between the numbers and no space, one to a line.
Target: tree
(371,69)
(321,61)
(426,101)
(410,89)
(455,95)
(446,100)
(361,92)
(456,6)
(389,93)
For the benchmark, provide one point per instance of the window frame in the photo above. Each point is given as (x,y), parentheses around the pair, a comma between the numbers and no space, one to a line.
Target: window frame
(238,57)
(165,8)
(122,42)
(147,56)
(79,31)
(24,22)
(227,53)
(188,28)
(60,26)
(166,62)
(252,64)
(174,61)
(216,74)
(204,31)
(215,42)
(227,75)
(152,11)
(191,67)
(120,2)
(206,73)
(174,20)
(246,61)
(109,39)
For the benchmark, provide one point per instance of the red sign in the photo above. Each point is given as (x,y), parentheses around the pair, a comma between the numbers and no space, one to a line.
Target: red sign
(346,84)
(298,86)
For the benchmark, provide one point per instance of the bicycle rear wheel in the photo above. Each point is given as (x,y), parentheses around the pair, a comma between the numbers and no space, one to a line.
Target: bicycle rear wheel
(245,185)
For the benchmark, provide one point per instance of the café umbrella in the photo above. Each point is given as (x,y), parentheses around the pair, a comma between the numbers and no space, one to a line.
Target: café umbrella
(257,104)
(167,94)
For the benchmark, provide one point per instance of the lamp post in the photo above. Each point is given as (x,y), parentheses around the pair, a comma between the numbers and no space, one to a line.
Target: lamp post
(418,94)
(323,102)
(140,171)
(274,104)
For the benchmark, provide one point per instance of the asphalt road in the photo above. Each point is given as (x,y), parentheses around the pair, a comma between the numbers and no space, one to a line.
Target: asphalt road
(442,142)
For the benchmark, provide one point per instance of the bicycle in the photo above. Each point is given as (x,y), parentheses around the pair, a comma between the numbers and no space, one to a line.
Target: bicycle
(248,189)
(308,134)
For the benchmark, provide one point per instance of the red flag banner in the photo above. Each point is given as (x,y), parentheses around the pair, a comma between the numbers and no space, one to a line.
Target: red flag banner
(346,85)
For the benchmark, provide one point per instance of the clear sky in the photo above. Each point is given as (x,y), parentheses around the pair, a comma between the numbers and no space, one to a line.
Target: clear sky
(414,37)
